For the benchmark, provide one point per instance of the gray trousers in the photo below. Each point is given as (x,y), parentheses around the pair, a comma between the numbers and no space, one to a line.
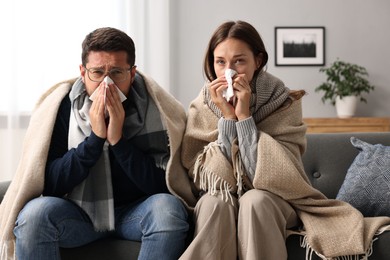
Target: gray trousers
(254,228)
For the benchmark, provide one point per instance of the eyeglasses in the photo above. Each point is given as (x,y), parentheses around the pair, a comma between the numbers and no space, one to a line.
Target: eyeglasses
(117,74)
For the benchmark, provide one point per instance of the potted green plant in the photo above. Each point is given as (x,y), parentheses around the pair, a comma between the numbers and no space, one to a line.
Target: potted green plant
(345,83)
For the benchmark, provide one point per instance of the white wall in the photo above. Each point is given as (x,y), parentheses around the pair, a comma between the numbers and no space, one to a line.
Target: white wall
(355,31)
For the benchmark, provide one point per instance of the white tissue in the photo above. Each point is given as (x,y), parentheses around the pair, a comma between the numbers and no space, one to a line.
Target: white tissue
(229,92)
(107,80)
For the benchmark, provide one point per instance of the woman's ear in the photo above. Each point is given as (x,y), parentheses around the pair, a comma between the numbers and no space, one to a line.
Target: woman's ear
(259,60)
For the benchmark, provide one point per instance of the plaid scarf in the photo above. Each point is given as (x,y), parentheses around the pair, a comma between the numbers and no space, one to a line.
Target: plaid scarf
(142,125)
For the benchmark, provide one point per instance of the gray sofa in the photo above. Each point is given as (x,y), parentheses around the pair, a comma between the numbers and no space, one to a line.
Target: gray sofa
(326,161)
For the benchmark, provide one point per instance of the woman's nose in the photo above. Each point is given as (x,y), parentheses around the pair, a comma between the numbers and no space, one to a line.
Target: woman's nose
(231,66)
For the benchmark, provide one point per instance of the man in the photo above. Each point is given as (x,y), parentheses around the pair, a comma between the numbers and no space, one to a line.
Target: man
(104,151)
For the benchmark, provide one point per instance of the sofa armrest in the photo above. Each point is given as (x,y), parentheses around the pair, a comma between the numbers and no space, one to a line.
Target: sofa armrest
(3,188)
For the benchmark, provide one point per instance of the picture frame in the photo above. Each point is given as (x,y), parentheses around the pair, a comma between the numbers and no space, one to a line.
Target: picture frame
(300,46)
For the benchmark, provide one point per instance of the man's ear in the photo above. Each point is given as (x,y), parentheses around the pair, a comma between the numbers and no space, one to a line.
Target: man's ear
(82,72)
(132,73)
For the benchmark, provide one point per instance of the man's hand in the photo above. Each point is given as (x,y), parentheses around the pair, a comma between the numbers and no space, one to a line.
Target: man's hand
(116,115)
(96,114)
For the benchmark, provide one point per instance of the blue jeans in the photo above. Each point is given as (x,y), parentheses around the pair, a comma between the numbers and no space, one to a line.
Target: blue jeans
(47,223)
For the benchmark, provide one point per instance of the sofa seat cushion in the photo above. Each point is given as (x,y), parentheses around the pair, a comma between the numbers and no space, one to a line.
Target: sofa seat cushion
(367,183)
(105,249)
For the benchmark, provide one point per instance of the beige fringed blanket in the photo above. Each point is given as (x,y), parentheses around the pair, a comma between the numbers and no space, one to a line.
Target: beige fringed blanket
(332,228)
(29,177)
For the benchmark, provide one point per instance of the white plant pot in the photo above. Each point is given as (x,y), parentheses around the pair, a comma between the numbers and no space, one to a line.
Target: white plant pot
(346,106)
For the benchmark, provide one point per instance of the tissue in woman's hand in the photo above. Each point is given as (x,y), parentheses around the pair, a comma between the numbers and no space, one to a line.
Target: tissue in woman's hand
(229,92)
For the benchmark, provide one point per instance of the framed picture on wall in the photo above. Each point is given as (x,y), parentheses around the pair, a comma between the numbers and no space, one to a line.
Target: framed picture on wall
(300,46)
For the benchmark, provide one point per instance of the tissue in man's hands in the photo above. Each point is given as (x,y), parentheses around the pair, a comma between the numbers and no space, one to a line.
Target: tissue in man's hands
(107,80)
(228,94)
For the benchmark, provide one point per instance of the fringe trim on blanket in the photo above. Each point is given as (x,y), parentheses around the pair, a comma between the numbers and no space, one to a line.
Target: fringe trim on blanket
(208,180)
(310,251)
(239,173)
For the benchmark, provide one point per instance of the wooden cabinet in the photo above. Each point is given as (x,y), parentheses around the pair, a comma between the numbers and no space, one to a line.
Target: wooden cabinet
(353,124)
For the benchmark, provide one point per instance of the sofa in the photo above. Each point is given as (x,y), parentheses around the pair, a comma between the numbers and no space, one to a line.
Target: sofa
(326,161)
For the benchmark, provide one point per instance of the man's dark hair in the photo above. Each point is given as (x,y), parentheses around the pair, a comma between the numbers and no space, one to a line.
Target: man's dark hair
(110,40)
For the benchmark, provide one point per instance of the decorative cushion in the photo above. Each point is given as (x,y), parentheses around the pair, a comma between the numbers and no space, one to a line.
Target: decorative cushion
(367,182)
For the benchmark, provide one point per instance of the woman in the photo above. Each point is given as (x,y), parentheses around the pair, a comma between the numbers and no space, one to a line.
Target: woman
(244,157)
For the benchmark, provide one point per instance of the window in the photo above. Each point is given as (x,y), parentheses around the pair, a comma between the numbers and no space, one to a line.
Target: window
(41,44)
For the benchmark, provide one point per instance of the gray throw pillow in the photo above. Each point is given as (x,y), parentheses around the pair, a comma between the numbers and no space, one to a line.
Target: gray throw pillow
(367,183)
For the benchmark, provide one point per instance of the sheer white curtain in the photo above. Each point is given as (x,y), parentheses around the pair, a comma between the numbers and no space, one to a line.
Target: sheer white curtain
(41,45)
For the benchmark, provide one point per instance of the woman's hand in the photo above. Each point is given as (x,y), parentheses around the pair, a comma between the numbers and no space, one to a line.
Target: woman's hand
(216,88)
(242,91)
